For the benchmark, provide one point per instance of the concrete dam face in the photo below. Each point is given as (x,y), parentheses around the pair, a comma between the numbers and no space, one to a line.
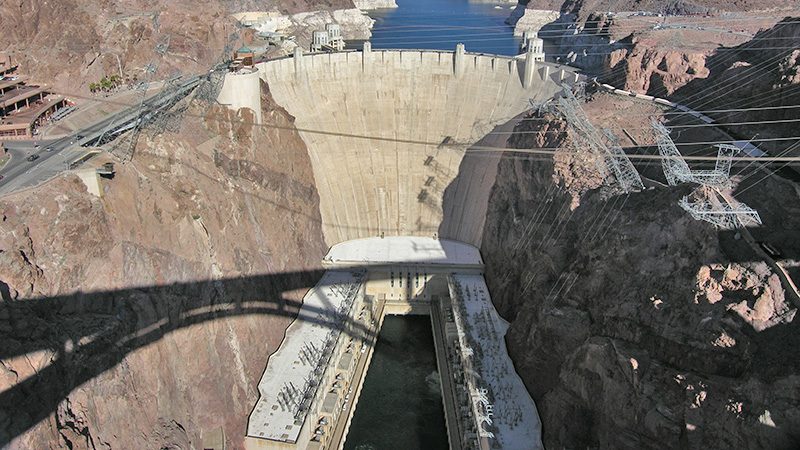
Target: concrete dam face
(388,131)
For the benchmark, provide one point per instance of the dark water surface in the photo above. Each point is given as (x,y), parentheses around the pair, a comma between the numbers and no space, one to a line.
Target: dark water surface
(401,403)
(441,24)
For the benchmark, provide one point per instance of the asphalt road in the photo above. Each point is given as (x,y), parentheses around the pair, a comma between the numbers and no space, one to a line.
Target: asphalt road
(19,173)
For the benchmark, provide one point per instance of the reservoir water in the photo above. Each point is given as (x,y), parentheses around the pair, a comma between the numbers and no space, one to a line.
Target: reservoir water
(400,406)
(441,24)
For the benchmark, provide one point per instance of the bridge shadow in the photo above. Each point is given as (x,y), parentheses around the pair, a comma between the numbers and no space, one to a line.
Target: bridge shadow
(89,333)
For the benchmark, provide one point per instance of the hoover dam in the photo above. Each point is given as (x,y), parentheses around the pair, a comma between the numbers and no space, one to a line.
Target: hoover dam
(388,132)
(319,226)
(398,143)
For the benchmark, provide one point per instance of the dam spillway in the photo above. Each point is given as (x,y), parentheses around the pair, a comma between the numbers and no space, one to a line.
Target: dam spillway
(387,132)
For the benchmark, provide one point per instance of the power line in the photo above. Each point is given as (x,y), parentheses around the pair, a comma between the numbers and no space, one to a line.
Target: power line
(473,148)
(482,16)
(428,32)
(761,108)
(703,125)
(735,81)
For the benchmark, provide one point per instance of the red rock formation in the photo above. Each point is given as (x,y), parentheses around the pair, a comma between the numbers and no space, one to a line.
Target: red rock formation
(68,44)
(144,319)
(634,325)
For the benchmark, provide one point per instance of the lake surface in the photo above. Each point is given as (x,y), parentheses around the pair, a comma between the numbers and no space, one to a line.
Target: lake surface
(441,24)
(400,406)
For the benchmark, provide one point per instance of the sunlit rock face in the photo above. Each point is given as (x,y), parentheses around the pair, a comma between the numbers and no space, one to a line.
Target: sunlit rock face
(144,319)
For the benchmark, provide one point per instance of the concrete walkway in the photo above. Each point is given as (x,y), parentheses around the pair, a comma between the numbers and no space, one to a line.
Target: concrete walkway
(343,425)
(446,379)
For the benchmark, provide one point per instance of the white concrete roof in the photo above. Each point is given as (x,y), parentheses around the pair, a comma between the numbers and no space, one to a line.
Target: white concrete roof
(297,357)
(403,249)
(515,416)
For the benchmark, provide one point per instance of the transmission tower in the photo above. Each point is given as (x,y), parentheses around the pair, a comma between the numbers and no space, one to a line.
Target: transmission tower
(677,171)
(604,145)
(167,118)
(209,88)
(709,201)
(125,147)
(723,211)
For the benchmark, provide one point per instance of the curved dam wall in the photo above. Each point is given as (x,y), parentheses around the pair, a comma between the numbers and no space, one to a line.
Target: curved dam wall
(381,127)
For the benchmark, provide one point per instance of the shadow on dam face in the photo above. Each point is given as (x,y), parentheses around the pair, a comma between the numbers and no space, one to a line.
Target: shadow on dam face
(424,110)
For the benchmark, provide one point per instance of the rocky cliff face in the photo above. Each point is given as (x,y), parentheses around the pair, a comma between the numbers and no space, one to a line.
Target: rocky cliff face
(144,319)
(633,325)
(760,76)
(68,44)
(662,55)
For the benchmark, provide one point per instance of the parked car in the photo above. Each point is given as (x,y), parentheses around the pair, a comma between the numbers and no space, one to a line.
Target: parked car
(32,157)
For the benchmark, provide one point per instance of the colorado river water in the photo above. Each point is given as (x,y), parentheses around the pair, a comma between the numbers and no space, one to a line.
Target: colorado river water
(400,406)
(441,24)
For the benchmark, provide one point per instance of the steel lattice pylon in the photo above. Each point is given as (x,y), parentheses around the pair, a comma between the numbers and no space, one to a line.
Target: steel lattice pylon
(167,118)
(676,170)
(124,148)
(208,90)
(708,202)
(727,214)
(603,144)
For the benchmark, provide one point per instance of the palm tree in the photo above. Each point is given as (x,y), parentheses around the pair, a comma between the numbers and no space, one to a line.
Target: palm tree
(105,84)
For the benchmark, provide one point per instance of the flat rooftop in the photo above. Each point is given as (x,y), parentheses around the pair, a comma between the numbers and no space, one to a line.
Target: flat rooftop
(298,357)
(8,83)
(26,116)
(515,418)
(394,250)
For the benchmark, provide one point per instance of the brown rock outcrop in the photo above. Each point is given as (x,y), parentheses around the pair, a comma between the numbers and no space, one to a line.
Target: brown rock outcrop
(69,44)
(144,319)
(635,326)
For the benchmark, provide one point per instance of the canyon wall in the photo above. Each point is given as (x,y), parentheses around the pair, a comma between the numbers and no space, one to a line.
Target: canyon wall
(118,37)
(760,78)
(144,318)
(398,124)
(662,55)
(632,324)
